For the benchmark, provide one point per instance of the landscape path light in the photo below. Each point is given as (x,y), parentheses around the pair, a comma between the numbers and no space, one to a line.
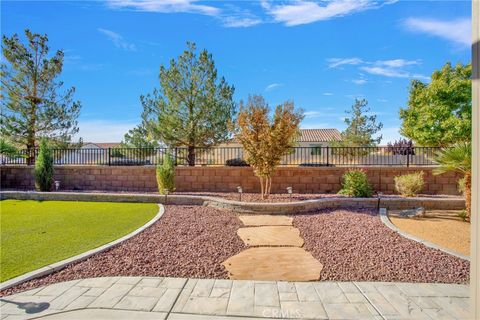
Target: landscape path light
(57,185)
(290,191)
(240,191)
(379,195)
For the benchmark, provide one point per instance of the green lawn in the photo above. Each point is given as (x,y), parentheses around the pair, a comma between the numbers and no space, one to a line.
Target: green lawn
(37,233)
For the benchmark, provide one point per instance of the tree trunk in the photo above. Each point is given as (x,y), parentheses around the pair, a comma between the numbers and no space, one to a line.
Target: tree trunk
(468,195)
(191,156)
(261,187)
(31,151)
(268,185)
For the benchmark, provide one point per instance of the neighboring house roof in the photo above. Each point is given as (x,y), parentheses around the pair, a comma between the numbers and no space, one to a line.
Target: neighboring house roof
(101,145)
(319,135)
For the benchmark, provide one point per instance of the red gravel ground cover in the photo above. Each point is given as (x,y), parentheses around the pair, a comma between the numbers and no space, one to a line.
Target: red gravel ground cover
(356,245)
(188,241)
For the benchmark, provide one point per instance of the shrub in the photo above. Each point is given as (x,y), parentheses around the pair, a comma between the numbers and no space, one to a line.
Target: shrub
(409,185)
(166,175)
(463,215)
(401,147)
(44,168)
(355,184)
(236,162)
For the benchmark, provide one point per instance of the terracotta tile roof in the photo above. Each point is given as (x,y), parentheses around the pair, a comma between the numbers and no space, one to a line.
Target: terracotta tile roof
(103,145)
(319,135)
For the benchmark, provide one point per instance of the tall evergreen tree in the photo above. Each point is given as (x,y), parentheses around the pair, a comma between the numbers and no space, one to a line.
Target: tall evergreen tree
(361,127)
(138,138)
(193,107)
(33,104)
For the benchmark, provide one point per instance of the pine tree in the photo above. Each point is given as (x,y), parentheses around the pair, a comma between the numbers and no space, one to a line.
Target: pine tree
(192,108)
(33,102)
(361,127)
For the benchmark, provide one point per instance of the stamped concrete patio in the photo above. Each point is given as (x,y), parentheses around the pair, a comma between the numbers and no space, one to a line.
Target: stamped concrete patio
(180,298)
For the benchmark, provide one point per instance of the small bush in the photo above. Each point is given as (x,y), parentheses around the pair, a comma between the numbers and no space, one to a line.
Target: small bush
(355,184)
(44,168)
(409,185)
(463,215)
(166,175)
(236,162)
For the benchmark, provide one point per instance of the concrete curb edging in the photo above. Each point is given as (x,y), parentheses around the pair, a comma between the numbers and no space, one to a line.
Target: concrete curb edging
(245,207)
(82,256)
(386,221)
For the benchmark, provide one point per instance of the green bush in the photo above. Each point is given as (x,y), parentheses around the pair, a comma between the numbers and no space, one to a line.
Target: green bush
(355,184)
(44,168)
(410,185)
(166,175)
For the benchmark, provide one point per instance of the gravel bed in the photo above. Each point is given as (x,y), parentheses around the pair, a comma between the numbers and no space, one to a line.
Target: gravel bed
(188,241)
(354,245)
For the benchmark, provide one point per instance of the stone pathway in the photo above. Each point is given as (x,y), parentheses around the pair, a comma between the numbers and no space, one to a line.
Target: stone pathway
(276,252)
(179,298)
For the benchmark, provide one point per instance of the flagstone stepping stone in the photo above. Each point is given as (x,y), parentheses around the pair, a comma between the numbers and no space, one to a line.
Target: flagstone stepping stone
(274,263)
(266,220)
(271,236)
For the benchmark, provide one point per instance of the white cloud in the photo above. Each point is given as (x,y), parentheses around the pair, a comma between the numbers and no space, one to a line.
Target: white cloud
(393,68)
(359,81)
(104,130)
(300,12)
(118,40)
(273,86)
(328,94)
(382,100)
(164,6)
(397,63)
(240,22)
(393,73)
(311,114)
(385,71)
(458,31)
(355,96)
(337,62)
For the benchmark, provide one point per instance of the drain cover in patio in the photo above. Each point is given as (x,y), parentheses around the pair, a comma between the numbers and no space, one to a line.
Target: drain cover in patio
(271,236)
(274,263)
(266,220)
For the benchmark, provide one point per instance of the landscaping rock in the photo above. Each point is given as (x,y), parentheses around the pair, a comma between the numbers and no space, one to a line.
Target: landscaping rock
(354,245)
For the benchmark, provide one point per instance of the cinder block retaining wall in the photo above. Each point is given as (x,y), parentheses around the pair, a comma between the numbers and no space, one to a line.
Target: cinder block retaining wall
(220,179)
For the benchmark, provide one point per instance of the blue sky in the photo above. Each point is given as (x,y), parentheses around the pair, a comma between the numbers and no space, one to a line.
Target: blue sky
(319,54)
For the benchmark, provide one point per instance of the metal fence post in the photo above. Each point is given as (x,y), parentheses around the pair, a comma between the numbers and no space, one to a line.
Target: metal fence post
(328,155)
(175,157)
(109,157)
(408,158)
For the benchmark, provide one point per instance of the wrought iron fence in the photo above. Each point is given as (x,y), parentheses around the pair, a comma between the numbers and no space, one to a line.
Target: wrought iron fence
(233,156)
